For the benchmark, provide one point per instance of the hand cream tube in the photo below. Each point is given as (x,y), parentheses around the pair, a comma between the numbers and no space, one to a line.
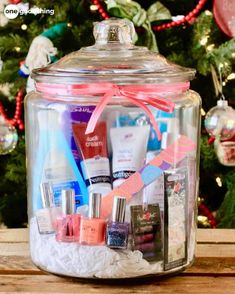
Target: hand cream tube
(129,146)
(95,164)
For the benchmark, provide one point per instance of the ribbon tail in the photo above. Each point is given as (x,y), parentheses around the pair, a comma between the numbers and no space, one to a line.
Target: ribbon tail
(98,111)
(150,115)
(166,105)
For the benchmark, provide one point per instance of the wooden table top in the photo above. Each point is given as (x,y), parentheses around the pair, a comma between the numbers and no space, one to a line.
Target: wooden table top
(213,270)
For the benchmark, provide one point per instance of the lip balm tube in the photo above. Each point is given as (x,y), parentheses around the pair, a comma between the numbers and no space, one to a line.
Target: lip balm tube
(145,247)
(146,231)
(144,238)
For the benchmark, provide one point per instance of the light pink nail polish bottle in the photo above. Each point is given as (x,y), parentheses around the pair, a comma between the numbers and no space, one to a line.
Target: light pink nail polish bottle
(93,227)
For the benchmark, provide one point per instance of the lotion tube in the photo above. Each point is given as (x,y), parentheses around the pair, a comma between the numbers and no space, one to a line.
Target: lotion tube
(95,164)
(129,145)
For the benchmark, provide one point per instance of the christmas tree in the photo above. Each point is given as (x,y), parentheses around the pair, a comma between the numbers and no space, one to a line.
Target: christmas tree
(192,33)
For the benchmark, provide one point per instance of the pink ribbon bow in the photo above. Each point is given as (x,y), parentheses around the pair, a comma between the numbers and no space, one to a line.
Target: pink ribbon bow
(140,95)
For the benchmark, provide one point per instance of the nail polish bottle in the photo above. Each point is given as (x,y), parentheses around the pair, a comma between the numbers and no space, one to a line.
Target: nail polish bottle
(68,225)
(46,217)
(117,229)
(48,199)
(93,227)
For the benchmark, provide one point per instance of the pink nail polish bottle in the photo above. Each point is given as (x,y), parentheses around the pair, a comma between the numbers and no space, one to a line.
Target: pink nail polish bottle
(68,225)
(93,227)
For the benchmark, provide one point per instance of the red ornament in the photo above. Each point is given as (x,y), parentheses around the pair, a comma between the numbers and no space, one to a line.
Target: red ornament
(224,13)
(15,1)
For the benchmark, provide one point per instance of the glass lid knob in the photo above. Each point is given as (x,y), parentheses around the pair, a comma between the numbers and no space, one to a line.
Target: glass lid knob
(114,31)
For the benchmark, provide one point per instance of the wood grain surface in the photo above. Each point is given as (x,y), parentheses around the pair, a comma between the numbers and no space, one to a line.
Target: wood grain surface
(212,272)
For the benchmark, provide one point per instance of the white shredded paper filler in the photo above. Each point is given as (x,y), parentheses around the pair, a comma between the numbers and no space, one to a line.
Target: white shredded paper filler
(73,259)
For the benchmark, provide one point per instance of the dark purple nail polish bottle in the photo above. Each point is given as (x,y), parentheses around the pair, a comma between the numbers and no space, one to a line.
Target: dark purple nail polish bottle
(117,229)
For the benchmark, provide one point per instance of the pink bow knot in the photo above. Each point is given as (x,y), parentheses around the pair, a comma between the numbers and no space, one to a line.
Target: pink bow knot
(140,95)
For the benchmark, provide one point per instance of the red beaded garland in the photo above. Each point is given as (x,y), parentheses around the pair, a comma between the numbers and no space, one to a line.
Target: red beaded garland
(16,120)
(189,18)
(101,10)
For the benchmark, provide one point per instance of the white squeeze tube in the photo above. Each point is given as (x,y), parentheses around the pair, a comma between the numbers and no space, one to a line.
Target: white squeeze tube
(172,133)
(129,145)
(154,192)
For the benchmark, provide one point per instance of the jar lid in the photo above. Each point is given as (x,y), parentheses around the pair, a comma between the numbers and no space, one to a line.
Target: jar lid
(113,57)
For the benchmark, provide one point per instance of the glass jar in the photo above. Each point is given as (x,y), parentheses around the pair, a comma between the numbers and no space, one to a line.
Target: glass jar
(112,135)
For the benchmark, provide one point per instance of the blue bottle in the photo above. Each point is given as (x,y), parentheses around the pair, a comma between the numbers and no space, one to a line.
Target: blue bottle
(54,162)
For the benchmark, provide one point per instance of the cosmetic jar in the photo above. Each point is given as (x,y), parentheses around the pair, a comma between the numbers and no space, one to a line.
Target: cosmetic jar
(112,129)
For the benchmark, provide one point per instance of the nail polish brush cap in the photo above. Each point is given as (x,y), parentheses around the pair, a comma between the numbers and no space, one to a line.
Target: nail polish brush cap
(119,209)
(68,201)
(94,205)
(47,195)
